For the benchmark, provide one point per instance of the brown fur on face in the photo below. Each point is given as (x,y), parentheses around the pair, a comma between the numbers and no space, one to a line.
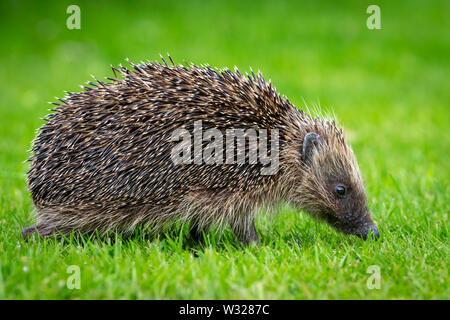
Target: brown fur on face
(329,166)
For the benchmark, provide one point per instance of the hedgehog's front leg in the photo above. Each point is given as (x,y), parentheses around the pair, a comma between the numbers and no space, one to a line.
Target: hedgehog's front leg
(245,231)
(196,233)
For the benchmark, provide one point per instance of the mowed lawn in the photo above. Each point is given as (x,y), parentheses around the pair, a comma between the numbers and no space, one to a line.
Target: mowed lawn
(389,88)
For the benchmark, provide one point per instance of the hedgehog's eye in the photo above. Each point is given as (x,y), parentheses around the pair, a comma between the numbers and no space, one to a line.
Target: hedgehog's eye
(340,190)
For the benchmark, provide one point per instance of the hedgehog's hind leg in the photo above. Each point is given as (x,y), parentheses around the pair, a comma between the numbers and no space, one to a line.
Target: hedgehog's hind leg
(28,232)
(42,229)
(245,231)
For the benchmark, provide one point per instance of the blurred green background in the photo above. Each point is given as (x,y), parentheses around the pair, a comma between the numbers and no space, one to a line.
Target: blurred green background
(389,88)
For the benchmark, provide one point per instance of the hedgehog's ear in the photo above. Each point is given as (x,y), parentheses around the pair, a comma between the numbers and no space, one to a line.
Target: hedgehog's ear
(311,141)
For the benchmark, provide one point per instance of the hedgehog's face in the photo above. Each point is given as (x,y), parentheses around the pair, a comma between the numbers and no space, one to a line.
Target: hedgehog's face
(332,188)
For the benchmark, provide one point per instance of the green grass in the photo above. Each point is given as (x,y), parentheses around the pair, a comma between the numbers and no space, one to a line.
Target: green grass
(389,87)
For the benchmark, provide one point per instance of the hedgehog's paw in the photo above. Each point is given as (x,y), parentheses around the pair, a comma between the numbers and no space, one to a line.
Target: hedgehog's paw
(247,235)
(28,232)
(252,238)
(198,234)
(42,230)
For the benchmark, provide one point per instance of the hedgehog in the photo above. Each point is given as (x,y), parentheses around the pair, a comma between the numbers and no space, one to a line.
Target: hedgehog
(103,161)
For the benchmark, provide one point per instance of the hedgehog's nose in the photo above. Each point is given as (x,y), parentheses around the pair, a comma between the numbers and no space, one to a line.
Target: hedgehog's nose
(373,231)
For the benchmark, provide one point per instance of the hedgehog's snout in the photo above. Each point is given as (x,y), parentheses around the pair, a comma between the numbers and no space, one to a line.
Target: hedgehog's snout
(371,231)
(360,225)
